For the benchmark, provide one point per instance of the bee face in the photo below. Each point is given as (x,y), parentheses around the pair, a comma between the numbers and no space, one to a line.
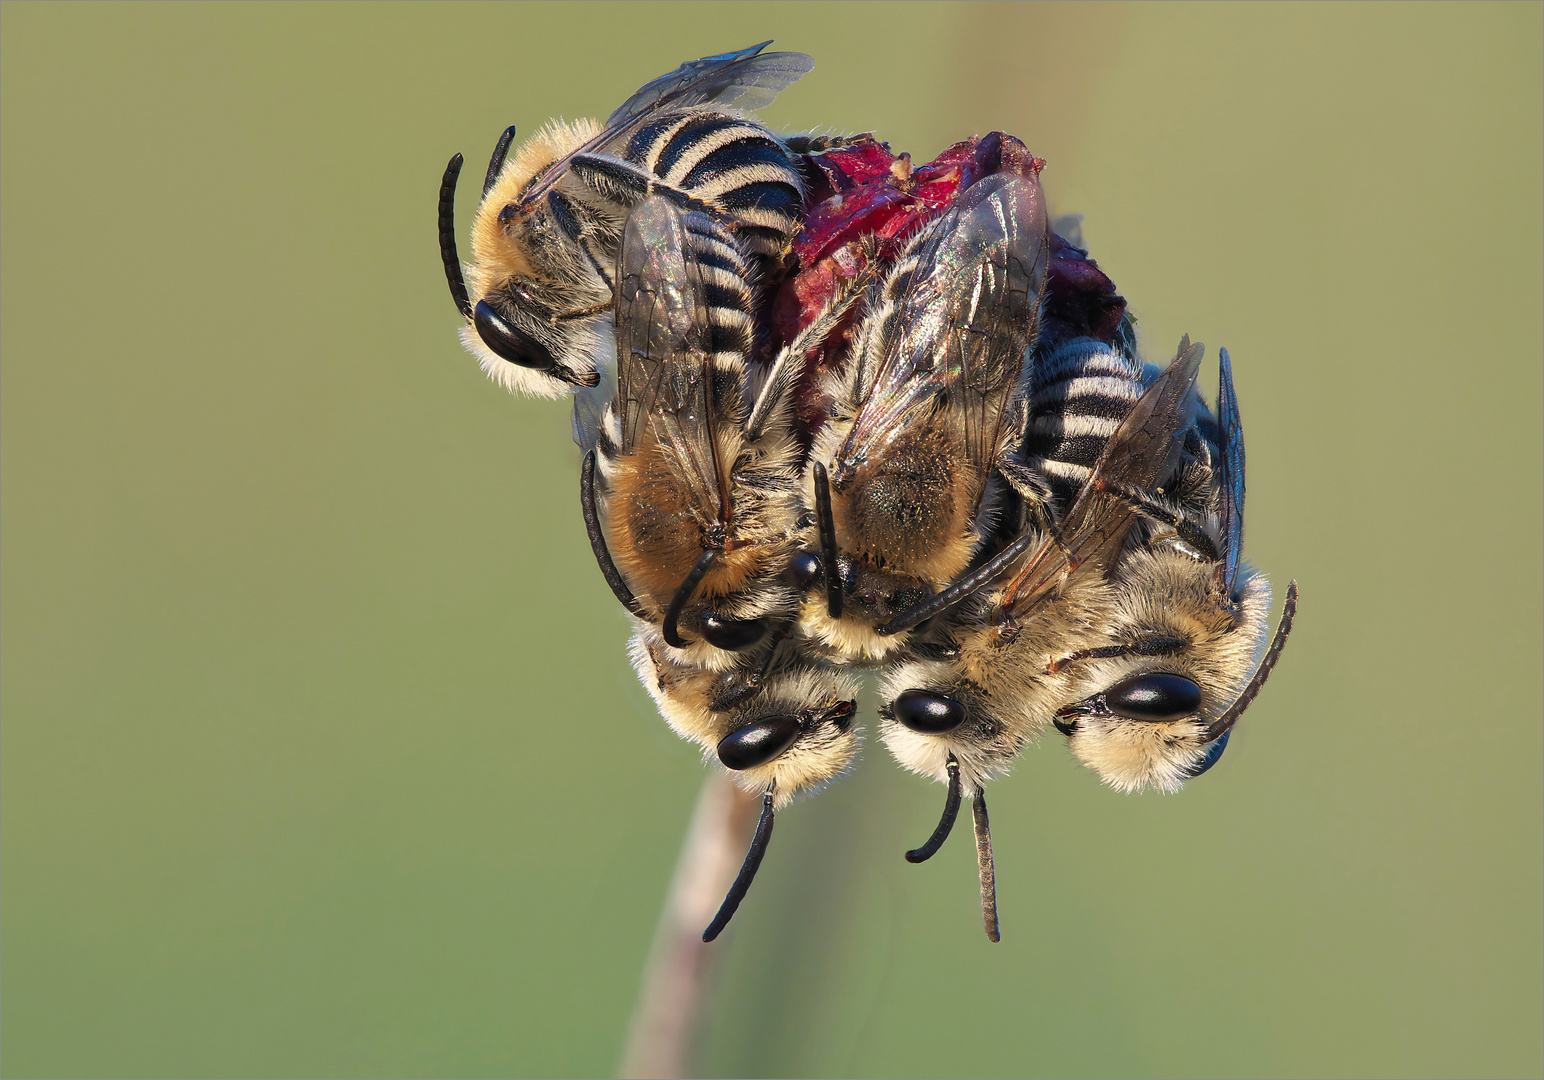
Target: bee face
(791,733)
(1146,721)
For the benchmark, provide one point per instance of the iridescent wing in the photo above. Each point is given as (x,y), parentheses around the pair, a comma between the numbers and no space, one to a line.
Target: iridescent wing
(955,346)
(1139,453)
(1230,473)
(664,378)
(748,79)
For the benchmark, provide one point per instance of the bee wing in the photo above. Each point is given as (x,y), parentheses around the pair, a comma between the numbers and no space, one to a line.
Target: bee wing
(1136,457)
(747,79)
(1230,472)
(963,326)
(664,377)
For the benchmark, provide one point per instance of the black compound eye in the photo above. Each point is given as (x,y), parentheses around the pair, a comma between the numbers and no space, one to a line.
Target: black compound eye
(1213,752)
(1156,696)
(758,742)
(929,713)
(512,344)
(731,635)
(804,569)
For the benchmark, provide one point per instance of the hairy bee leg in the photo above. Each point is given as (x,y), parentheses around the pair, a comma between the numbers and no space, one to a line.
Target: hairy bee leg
(961,589)
(1153,646)
(1147,506)
(668,628)
(946,822)
(628,184)
(819,144)
(742,883)
(789,365)
(608,568)
(827,541)
(984,866)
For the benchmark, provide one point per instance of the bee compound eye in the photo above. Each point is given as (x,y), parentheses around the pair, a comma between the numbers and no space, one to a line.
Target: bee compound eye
(928,713)
(1155,696)
(758,742)
(732,635)
(1214,751)
(507,341)
(804,569)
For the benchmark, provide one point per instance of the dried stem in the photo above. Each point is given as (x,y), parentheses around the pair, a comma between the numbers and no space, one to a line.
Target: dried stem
(671,999)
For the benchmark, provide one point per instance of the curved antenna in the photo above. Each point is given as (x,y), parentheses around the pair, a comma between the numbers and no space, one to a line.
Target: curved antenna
(827,529)
(496,162)
(682,595)
(742,883)
(1263,672)
(945,823)
(608,568)
(960,589)
(448,237)
(984,866)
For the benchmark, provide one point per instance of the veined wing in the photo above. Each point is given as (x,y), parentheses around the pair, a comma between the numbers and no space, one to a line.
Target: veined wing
(1138,454)
(664,377)
(1230,474)
(747,79)
(962,329)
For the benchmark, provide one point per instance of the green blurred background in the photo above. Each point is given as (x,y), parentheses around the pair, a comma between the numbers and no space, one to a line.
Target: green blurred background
(320,752)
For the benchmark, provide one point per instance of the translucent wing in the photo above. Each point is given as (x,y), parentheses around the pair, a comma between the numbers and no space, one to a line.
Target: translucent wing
(664,381)
(955,351)
(1230,474)
(747,79)
(1138,454)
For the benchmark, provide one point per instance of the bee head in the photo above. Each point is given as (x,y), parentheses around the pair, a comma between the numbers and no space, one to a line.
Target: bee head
(795,735)
(1162,707)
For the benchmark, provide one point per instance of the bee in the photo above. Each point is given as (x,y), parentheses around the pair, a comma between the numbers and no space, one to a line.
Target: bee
(693,518)
(1151,643)
(545,238)
(900,477)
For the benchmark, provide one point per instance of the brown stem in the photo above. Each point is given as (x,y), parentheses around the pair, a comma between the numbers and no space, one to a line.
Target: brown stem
(672,997)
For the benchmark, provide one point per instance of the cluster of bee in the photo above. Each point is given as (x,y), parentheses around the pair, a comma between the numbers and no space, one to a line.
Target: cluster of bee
(1019,529)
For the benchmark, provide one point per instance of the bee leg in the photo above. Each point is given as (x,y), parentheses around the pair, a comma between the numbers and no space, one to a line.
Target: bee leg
(1186,529)
(627,184)
(819,144)
(608,568)
(1153,646)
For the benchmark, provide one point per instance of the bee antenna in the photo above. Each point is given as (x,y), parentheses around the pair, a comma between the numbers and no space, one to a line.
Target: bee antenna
(959,590)
(448,237)
(496,162)
(742,883)
(608,568)
(1283,628)
(827,541)
(945,823)
(984,865)
(682,595)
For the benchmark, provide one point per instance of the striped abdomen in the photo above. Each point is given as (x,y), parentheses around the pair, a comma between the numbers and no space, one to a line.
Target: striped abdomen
(1080,392)
(729,163)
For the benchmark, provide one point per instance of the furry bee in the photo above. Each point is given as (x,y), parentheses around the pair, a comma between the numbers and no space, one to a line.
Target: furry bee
(545,239)
(900,477)
(696,517)
(1150,642)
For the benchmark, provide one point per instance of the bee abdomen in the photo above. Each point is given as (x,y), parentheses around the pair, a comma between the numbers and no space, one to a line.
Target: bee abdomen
(729,163)
(1080,393)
